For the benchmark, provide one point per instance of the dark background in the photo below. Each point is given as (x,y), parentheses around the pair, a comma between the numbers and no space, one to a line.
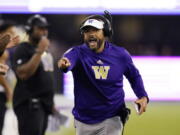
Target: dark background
(142,35)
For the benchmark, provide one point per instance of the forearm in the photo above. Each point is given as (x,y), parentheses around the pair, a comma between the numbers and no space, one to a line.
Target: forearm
(138,86)
(135,79)
(28,69)
(4,83)
(4,40)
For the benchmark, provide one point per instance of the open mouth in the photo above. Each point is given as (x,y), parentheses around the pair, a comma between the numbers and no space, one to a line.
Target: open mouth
(92,42)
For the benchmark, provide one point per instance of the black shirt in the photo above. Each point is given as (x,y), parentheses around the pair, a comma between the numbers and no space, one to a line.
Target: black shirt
(40,84)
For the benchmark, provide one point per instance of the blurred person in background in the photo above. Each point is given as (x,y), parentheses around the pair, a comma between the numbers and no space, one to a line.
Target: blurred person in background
(8,35)
(98,67)
(5,92)
(6,40)
(9,38)
(34,91)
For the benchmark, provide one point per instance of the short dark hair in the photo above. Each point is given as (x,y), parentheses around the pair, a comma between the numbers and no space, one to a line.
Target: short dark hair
(36,20)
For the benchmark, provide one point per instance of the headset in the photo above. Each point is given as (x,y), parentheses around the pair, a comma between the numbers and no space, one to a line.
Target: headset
(106,18)
(35,20)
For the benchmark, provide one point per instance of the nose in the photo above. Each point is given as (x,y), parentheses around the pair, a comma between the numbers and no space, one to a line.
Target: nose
(91,32)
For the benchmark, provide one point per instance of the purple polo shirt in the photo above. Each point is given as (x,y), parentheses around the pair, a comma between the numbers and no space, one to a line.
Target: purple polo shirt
(98,81)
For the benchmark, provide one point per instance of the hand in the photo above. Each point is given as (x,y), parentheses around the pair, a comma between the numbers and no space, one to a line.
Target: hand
(54,110)
(4,41)
(143,104)
(13,42)
(64,63)
(7,42)
(43,45)
(3,69)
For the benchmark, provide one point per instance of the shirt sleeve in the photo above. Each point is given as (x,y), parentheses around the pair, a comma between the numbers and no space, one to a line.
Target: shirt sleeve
(134,77)
(20,56)
(72,55)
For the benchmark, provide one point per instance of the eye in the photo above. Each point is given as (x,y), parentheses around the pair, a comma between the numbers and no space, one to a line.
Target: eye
(85,30)
(90,29)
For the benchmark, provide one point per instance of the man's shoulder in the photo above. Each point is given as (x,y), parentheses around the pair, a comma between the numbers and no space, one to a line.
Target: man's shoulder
(117,47)
(80,47)
(75,48)
(119,51)
(22,48)
(22,45)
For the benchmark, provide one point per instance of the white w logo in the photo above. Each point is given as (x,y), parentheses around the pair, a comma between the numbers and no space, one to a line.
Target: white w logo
(101,72)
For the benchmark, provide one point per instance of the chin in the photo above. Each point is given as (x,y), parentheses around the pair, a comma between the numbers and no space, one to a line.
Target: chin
(92,47)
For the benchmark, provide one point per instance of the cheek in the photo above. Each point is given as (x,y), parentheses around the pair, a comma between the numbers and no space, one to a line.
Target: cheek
(100,34)
(85,37)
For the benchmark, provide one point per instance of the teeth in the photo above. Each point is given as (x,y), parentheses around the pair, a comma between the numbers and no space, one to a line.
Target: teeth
(93,40)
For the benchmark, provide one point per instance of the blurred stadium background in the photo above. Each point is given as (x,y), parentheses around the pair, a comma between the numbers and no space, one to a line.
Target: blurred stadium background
(147,29)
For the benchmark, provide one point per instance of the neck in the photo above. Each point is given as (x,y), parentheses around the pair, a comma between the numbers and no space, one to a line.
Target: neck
(33,41)
(99,50)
